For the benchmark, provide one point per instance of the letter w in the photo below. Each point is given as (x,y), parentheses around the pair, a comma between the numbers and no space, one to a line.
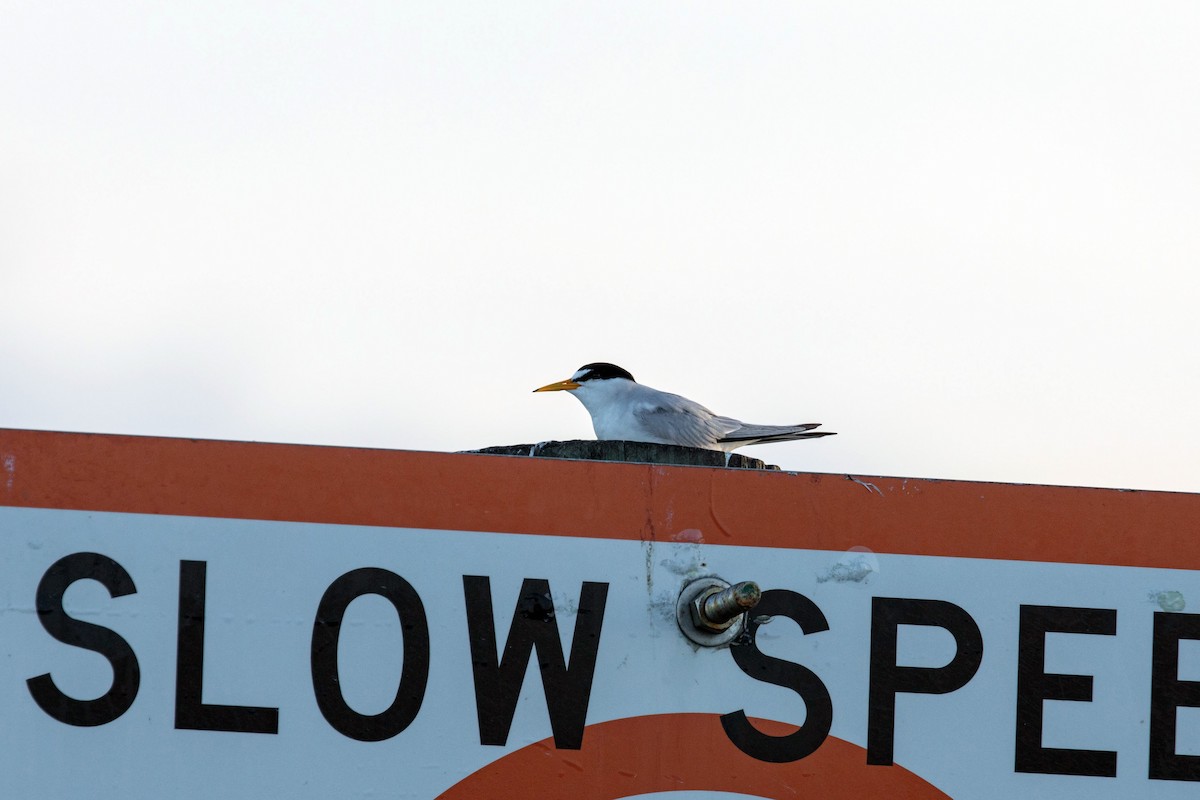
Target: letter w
(498,679)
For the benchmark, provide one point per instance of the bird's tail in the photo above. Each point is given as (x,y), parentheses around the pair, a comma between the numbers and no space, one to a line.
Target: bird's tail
(776,433)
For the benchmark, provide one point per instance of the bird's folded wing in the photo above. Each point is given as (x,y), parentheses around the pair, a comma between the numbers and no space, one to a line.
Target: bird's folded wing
(779,433)
(678,420)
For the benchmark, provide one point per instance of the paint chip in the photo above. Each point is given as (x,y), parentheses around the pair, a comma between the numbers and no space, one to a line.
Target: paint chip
(855,566)
(1169,600)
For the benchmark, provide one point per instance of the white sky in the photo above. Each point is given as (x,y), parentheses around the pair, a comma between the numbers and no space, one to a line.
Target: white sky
(963,235)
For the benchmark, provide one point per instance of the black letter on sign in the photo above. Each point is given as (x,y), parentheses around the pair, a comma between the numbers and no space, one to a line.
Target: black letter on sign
(1167,694)
(888,678)
(77,633)
(1035,685)
(191,712)
(413,675)
(817,705)
(498,680)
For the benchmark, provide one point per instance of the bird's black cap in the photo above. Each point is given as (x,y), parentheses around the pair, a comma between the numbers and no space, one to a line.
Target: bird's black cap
(602,370)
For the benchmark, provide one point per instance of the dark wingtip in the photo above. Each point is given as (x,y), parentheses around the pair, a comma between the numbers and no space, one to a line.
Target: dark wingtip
(780,437)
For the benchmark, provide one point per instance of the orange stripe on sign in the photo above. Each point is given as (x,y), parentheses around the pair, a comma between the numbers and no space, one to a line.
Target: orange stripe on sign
(508,494)
(684,752)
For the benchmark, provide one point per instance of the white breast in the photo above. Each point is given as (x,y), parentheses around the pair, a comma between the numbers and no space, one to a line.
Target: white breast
(611,404)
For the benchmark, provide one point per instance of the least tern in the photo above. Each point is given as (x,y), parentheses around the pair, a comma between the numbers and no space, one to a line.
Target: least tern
(624,409)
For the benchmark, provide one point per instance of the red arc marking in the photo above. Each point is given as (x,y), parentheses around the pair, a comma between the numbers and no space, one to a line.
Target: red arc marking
(680,752)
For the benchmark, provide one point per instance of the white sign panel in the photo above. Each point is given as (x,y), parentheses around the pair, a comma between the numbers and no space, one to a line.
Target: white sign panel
(152,656)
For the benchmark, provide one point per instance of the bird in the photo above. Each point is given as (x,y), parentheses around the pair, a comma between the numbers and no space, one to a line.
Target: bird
(623,409)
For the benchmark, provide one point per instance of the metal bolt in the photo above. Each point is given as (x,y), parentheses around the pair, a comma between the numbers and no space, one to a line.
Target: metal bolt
(712,613)
(718,608)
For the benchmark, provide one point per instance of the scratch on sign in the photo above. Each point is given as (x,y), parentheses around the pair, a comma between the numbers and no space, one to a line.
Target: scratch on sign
(870,487)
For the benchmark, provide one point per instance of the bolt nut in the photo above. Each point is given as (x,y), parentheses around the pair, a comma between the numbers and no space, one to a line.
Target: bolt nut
(711,612)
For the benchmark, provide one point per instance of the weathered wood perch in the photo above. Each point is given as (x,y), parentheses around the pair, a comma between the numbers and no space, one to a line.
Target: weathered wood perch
(638,452)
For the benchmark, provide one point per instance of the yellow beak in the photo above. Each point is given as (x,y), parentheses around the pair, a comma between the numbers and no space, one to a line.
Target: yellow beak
(566,385)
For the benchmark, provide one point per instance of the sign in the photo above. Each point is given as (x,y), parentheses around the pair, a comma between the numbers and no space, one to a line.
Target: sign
(215,619)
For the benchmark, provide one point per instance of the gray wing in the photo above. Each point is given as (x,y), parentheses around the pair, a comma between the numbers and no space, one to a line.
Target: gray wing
(677,420)
(753,434)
